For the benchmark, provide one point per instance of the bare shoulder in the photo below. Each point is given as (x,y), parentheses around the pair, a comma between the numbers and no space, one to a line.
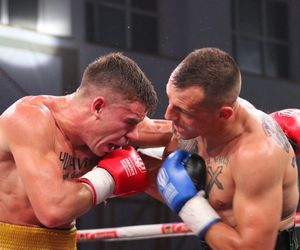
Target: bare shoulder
(246,103)
(272,130)
(28,116)
(264,131)
(28,109)
(263,153)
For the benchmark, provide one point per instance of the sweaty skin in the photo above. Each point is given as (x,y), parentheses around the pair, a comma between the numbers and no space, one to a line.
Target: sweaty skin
(37,170)
(251,181)
(252,178)
(41,156)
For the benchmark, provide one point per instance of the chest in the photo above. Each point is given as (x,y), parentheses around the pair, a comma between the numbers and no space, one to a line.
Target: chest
(74,162)
(219,182)
(220,186)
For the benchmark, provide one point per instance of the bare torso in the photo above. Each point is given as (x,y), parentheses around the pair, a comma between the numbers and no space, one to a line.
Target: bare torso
(15,205)
(221,188)
(223,165)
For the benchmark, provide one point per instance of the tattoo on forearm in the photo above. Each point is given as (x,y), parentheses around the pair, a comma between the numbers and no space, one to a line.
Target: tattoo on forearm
(272,129)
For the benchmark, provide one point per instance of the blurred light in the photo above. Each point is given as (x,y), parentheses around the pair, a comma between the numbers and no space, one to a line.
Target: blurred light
(24,58)
(22,47)
(27,36)
(55,17)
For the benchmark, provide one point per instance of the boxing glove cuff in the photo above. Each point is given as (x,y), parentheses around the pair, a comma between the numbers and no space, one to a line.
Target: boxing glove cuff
(156,152)
(100,182)
(198,214)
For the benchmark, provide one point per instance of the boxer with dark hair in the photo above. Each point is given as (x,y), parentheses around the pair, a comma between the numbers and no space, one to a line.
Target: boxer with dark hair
(50,145)
(250,196)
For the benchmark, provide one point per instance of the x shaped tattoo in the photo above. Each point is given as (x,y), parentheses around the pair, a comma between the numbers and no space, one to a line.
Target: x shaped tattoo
(214,178)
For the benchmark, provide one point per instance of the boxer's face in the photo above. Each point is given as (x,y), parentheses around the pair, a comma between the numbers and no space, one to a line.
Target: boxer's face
(116,126)
(189,118)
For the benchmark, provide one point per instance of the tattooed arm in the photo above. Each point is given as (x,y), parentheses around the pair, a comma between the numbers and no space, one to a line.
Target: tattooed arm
(264,173)
(33,172)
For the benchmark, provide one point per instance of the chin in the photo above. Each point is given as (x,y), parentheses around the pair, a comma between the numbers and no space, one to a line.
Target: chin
(183,136)
(187,136)
(100,153)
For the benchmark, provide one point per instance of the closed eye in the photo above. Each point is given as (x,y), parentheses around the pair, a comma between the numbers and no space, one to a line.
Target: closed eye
(132,122)
(184,111)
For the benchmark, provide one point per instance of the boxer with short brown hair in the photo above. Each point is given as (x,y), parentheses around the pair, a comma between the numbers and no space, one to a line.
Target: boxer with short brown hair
(251,193)
(50,145)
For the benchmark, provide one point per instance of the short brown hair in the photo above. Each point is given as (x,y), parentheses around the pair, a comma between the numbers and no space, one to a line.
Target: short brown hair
(213,70)
(124,76)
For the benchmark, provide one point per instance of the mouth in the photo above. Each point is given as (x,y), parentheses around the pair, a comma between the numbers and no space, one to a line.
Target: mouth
(112,146)
(176,128)
(179,131)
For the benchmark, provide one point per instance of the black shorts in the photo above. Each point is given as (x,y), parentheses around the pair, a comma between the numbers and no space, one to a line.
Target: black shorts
(286,240)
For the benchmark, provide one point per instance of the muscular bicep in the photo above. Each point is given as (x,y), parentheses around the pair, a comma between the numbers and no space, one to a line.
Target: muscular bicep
(30,138)
(257,203)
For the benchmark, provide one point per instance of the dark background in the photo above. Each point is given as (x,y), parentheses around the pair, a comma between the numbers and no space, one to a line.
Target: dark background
(45,46)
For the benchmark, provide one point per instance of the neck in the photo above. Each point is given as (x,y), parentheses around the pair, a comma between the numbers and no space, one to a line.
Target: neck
(227,132)
(66,116)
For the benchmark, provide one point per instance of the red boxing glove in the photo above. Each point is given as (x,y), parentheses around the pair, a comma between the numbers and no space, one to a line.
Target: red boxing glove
(128,170)
(122,172)
(289,121)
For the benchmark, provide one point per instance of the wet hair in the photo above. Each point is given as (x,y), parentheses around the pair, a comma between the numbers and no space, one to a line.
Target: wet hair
(123,76)
(214,71)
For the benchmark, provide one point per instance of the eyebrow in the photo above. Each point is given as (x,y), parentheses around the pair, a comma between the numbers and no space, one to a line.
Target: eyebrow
(187,111)
(132,120)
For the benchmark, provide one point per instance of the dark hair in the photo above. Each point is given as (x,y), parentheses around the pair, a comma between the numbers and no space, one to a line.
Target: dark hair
(213,70)
(122,75)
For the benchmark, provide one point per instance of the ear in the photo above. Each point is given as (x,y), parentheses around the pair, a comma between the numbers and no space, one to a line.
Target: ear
(97,105)
(225,112)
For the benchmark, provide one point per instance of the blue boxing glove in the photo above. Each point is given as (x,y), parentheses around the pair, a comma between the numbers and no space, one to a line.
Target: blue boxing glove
(179,180)
(171,178)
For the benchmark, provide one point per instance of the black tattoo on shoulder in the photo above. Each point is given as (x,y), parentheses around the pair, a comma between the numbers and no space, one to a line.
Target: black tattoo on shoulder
(294,162)
(272,129)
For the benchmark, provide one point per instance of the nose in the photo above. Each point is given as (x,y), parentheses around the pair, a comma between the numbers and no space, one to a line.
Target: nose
(133,134)
(170,113)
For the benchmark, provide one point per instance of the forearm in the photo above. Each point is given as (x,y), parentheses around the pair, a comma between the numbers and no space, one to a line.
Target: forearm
(71,200)
(154,133)
(221,236)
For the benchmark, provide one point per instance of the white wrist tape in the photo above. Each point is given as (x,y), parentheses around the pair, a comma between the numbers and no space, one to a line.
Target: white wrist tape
(198,214)
(156,153)
(100,182)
